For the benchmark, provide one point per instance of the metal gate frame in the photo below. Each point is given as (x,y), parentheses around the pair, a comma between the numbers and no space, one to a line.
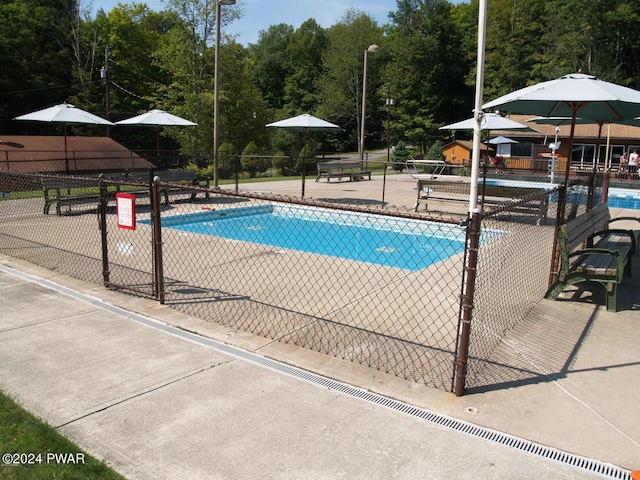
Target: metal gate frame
(157,288)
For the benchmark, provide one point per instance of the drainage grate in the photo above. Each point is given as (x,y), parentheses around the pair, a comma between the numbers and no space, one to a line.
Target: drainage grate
(606,470)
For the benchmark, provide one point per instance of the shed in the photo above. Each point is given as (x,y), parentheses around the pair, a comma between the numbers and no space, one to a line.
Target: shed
(459,151)
(38,153)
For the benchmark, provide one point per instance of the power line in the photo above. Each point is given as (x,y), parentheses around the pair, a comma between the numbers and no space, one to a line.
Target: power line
(15,92)
(127,91)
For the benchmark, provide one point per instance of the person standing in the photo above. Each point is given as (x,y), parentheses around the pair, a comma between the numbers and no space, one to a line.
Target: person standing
(633,164)
(624,165)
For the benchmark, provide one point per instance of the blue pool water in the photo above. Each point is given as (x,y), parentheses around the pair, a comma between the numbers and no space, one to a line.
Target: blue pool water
(617,198)
(624,198)
(392,242)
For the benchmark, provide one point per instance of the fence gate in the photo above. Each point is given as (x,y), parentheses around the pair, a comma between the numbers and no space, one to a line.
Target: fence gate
(131,259)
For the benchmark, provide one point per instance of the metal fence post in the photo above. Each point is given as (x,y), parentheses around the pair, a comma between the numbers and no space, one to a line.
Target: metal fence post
(562,208)
(464,330)
(102,220)
(158,272)
(606,179)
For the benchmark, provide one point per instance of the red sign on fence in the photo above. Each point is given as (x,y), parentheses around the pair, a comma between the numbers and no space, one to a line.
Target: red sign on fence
(126,210)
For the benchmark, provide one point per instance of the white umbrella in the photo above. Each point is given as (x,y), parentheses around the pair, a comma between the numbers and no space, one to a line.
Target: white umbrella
(304,123)
(575,95)
(490,121)
(64,113)
(157,118)
(502,140)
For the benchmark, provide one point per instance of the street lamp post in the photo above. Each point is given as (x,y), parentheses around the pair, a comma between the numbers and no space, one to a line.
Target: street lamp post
(390,103)
(216,91)
(371,49)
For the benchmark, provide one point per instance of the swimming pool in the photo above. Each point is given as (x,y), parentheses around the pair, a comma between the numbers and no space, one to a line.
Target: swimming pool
(624,198)
(617,198)
(388,241)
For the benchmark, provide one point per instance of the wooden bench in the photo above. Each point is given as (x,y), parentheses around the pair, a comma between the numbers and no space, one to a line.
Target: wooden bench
(353,171)
(589,251)
(173,182)
(67,191)
(452,190)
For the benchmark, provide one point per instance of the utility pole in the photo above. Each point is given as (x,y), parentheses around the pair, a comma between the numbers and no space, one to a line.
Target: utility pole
(104,73)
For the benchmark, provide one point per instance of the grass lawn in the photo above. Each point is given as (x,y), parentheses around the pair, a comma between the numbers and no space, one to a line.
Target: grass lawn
(31,450)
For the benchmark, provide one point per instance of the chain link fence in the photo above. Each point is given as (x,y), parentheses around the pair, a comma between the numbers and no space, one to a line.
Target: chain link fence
(516,263)
(368,270)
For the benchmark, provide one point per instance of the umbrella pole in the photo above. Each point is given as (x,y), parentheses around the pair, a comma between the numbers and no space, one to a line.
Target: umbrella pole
(596,160)
(66,154)
(574,111)
(304,160)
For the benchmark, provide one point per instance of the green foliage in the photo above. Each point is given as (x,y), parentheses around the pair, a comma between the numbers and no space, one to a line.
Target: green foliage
(52,51)
(306,158)
(226,160)
(426,71)
(305,49)
(271,63)
(435,151)
(282,163)
(252,162)
(400,155)
(202,173)
(341,83)
(36,66)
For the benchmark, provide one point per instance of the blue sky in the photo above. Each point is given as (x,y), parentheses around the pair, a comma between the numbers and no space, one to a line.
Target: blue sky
(261,14)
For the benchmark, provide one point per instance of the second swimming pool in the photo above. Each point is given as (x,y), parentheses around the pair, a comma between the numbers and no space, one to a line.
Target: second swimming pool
(389,241)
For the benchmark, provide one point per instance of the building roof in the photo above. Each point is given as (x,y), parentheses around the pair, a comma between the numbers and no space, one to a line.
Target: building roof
(583,132)
(468,145)
(38,153)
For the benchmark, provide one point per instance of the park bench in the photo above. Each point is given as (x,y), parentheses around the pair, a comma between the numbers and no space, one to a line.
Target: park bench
(68,191)
(173,182)
(458,190)
(590,251)
(353,171)
(64,191)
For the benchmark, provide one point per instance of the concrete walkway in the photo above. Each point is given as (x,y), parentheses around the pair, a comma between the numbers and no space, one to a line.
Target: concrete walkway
(110,372)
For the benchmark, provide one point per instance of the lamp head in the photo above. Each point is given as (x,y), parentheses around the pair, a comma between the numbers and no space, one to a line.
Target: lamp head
(227,2)
(373,49)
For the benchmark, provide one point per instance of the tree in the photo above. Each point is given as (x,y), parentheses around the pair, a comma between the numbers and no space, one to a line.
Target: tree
(187,55)
(340,86)
(36,66)
(227,164)
(252,162)
(270,63)
(426,73)
(400,155)
(305,51)
(243,113)
(514,33)
(596,36)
